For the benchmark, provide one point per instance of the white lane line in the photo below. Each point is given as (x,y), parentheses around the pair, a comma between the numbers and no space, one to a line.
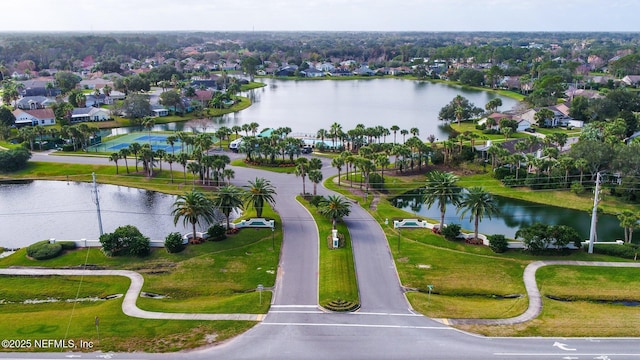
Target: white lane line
(296,312)
(294,306)
(362,325)
(564,354)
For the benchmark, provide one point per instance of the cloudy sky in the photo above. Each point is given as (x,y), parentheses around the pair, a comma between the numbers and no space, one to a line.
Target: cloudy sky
(323,15)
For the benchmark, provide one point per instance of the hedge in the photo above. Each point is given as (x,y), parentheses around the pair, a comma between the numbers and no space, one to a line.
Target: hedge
(43,250)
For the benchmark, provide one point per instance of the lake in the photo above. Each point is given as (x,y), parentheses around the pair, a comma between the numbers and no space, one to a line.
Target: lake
(515,214)
(307,106)
(39,210)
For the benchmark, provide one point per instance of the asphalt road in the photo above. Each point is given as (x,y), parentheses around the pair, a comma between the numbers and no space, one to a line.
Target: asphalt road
(384,328)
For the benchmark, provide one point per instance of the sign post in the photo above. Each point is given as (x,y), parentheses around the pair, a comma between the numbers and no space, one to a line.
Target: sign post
(430,287)
(260,288)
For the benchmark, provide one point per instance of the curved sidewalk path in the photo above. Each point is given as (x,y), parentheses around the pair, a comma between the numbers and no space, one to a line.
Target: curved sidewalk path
(535,299)
(129,306)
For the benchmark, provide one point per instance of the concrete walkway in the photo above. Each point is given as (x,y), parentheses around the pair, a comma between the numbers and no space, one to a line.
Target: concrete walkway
(129,303)
(535,299)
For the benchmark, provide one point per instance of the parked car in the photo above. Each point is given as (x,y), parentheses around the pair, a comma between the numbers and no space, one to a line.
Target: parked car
(530,130)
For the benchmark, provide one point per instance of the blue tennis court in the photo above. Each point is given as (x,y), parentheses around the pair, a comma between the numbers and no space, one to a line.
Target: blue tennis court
(152,138)
(118,146)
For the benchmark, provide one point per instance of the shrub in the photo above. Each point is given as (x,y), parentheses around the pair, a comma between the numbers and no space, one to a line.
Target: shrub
(125,240)
(173,243)
(15,159)
(451,231)
(498,243)
(376,181)
(43,250)
(67,245)
(437,157)
(625,251)
(216,232)
(501,172)
(316,200)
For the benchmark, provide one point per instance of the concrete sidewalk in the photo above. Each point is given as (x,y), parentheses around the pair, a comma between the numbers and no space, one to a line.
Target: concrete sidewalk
(129,303)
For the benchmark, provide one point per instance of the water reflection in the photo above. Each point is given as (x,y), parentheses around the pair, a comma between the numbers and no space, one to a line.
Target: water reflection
(38,210)
(513,215)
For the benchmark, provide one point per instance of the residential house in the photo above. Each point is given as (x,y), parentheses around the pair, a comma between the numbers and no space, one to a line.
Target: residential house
(34,102)
(97,101)
(89,114)
(288,70)
(340,72)
(631,80)
(159,110)
(312,73)
(326,67)
(203,97)
(42,117)
(94,84)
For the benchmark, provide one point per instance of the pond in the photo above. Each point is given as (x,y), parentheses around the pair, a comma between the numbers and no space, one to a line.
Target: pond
(307,106)
(515,214)
(39,210)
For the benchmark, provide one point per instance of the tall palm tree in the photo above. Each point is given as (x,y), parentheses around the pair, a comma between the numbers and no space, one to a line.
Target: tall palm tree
(115,157)
(404,133)
(172,140)
(135,150)
(302,169)
(441,187)
(258,192)
(478,203)
(315,176)
(170,158)
(183,159)
(395,129)
(124,152)
(194,169)
(228,199)
(193,207)
(338,163)
(334,207)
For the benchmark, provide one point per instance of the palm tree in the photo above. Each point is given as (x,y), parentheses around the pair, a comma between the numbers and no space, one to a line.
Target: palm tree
(315,164)
(338,163)
(258,192)
(404,133)
(170,159)
(135,149)
(115,157)
(302,169)
(228,199)
(124,152)
(628,221)
(183,159)
(228,174)
(479,203)
(334,207)
(192,207)
(395,129)
(172,140)
(441,187)
(315,176)
(194,169)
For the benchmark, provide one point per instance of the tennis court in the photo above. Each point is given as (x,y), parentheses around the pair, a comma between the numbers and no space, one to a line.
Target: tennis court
(157,142)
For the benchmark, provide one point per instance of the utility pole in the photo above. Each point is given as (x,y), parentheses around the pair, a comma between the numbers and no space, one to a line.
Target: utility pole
(594,214)
(97,201)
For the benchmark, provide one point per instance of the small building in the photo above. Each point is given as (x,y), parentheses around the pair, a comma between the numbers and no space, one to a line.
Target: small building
(89,114)
(34,102)
(37,117)
(159,111)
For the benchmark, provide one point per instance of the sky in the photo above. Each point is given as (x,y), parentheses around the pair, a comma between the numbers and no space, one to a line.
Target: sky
(320,15)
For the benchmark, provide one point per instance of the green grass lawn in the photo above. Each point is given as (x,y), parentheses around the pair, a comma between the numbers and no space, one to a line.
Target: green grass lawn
(276,169)
(213,277)
(337,270)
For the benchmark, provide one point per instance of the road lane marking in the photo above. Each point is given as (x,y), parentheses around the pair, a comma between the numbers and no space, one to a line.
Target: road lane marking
(362,325)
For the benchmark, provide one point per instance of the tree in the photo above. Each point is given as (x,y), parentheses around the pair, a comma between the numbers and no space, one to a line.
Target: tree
(115,157)
(338,163)
(193,207)
(302,169)
(395,129)
(172,99)
(125,240)
(6,116)
(137,106)
(478,203)
(258,192)
(14,159)
(228,199)
(334,207)
(629,222)
(441,188)
(315,176)
(543,117)
(493,105)
(135,149)
(66,81)
(459,109)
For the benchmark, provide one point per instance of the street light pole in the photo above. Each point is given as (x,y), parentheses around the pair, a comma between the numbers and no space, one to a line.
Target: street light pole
(273,237)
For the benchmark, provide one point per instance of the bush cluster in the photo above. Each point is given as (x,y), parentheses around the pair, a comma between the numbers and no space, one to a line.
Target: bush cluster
(173,243)
(15,159)
(625,251)
(451,231)
(125,240)
(43,250)
(498,243)
(216,232)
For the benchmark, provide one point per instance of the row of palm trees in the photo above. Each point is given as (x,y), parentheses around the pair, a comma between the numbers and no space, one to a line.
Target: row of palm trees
(361,135)
(441,188)
(195,206)
(78,135)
